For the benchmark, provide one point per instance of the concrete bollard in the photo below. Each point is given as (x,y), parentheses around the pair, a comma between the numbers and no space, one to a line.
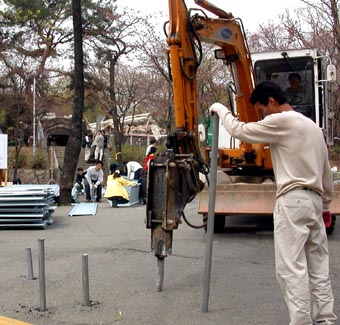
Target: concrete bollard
(30,275)
(85,278)
(42,281)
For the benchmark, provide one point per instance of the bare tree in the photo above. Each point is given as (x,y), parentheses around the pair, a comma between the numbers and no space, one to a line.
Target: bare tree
(107,39)
(152,51)
(33,31)
(211,77)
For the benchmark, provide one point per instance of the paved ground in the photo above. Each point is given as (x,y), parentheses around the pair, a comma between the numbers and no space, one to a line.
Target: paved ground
(123,273)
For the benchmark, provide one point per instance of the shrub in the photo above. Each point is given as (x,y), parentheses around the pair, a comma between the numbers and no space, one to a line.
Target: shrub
(38,162)
(26,159)
(136,153)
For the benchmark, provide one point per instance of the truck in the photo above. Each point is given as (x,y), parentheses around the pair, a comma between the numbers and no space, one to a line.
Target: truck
(246,181)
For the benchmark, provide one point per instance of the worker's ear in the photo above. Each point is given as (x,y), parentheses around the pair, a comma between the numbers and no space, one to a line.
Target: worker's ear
(272,101)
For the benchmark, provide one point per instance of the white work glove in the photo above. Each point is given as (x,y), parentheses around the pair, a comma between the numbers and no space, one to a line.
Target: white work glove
(218,108)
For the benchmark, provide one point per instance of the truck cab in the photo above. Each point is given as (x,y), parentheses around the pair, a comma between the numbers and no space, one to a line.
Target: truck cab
(305,77)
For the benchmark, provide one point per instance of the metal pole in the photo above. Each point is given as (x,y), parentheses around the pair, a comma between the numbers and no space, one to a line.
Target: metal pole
(42,281)
(34,120)
(85,278)
(211,214)
(30,275)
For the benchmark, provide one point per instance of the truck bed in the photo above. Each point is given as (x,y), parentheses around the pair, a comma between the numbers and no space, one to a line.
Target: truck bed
(253,199)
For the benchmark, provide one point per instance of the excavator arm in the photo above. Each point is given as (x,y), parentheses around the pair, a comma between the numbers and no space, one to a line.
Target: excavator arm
(173,178)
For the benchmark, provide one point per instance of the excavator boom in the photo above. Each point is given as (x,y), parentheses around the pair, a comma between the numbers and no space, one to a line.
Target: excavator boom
(173,178)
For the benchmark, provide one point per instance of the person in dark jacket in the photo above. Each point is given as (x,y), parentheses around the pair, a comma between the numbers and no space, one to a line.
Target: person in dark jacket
(78,185)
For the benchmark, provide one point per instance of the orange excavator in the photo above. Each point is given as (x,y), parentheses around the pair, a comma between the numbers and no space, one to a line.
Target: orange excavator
(174,176)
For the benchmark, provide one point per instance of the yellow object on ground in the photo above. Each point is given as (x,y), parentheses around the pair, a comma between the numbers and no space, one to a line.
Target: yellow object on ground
(11,321)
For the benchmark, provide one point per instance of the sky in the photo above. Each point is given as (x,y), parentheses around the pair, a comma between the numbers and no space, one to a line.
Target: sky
(251,12)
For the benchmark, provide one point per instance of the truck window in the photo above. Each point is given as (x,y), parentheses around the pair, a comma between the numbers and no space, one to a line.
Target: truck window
(295,77)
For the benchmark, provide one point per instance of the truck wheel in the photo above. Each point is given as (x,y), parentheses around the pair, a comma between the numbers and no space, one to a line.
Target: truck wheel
(219,223)
(331,228)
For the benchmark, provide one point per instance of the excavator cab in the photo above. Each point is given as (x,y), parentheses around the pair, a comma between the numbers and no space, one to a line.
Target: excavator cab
(305,77)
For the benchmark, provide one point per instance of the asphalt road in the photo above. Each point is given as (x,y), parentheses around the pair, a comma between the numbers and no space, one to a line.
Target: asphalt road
(122,272)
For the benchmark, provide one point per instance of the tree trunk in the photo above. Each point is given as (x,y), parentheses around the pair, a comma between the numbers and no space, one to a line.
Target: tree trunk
(114,111)
(18,144)
(336,36)
(74,142)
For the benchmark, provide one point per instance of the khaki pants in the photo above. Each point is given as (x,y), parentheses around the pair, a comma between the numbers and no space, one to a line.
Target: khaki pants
(301,257)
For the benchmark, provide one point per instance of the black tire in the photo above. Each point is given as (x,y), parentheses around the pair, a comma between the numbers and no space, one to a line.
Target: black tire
(205,222)
(219,223)
(331,229)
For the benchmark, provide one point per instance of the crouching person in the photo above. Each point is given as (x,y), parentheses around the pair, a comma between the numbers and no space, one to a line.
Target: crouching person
(78,185)
(94,180)
(115,189)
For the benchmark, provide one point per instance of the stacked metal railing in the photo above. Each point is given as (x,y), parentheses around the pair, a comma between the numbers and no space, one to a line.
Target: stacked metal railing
(28,206)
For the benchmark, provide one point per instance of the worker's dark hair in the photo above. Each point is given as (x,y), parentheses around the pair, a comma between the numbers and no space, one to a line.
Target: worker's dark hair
(114,166)
(168,144)
(294,75)
(153,150)
(99,162)
(80,169)
(267,89)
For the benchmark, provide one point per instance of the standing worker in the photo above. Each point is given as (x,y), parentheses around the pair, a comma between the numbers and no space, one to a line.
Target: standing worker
(152,144)
(304,191)
(99,143)
(151,156)
(87,146)
(134,169)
